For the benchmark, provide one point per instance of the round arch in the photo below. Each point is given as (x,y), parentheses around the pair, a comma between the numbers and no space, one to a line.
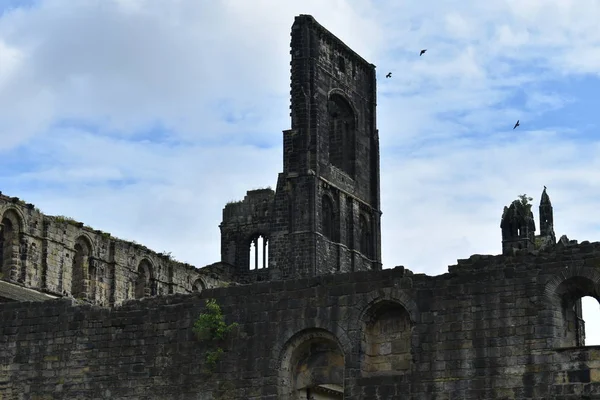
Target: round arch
(386,321)
(80,267)
(578,278)
(336,92)
(145,279)
(252,246)
(15,216)
(563,293)
(199,285)
(147,266)
(84,241)
(309,359)
(389,295)
(255,235)
(12,267)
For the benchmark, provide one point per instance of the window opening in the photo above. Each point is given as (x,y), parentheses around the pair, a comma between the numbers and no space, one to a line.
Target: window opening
(259,253)
(590,321)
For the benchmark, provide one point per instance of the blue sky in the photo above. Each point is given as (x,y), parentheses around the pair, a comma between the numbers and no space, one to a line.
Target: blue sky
(10,5)
(144,118)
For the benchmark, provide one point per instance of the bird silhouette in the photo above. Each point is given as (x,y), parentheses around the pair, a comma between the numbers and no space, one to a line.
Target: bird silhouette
(517,124)
(389,75)
(422,52)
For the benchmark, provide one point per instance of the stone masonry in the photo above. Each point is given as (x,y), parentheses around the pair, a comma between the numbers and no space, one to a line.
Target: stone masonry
(494,327)
(62,257)
(324,216)
(317,316)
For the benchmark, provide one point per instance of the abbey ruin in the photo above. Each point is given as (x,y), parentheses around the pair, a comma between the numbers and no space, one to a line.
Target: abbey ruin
(85,315)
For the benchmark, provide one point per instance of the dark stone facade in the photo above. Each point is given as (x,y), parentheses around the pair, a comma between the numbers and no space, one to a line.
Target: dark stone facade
(324,216)
(494,327)
(518,226)
(326,322)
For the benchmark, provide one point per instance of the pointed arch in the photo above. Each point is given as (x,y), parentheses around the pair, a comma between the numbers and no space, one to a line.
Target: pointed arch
(339,92)
(342,133)
(387,339)
(329,224)
(11,227)
(366,245)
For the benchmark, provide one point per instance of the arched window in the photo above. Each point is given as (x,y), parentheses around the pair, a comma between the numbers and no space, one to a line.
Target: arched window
(198,286)
(342,134)
(143,287)
(259,252)
(387,340)
(365,237)
(328,218)
(349,223)
(80,268)
(92,279)
(10,247)
(312,367)
(590,312)
(579,300)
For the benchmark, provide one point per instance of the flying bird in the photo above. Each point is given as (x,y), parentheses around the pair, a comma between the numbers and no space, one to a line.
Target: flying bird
(517,124)
(389,75)
(422,52)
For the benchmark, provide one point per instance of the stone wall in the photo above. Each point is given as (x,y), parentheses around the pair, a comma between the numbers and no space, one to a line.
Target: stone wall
(493,327)
(243,222)
(324,216)
(61,256)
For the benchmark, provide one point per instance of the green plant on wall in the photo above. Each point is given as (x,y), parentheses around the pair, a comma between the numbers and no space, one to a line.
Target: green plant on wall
(63,219)
(210,327)
(525,202)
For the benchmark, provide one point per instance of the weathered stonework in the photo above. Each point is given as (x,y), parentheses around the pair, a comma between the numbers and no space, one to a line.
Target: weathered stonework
(62,257)
(493,327)
(326,322)
(324,215)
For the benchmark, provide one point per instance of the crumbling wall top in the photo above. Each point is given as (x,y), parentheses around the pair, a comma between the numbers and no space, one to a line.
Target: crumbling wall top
(565,250)
(309,21)
(254,208)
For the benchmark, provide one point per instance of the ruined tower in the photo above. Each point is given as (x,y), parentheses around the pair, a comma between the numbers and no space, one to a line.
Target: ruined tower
(518,226)
(324,216)
(330,178)
(546,218)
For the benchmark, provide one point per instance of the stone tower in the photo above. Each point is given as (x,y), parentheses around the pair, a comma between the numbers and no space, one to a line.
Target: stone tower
(518,228)
(546,218)
(324,216)
(330,179)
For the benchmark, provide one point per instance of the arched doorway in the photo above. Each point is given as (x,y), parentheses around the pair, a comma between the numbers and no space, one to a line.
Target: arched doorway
(312,367)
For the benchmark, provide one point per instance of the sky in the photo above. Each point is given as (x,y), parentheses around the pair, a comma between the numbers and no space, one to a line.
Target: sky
(143,118)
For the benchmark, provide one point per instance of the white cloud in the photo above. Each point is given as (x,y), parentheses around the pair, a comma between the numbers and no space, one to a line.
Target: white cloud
(215,76)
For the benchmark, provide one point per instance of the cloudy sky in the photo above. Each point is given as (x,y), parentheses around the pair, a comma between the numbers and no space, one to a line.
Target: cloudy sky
(143,118)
